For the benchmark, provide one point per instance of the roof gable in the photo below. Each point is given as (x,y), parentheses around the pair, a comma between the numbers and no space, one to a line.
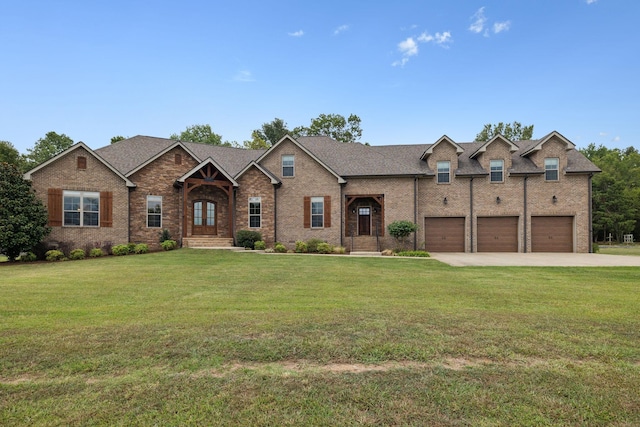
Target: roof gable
(442,140)
(70,150)
(160,154)
(306,151)
(538,146)
(512,147)
(208,161)
(274,180)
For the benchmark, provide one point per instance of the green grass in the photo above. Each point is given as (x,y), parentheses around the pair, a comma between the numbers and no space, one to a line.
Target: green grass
(220,338)
(633,250)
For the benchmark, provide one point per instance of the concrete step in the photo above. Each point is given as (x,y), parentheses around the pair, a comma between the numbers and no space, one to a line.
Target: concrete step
(207,242)
(365,253)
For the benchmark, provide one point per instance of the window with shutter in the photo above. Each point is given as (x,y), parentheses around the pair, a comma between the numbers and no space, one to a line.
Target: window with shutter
(54,207)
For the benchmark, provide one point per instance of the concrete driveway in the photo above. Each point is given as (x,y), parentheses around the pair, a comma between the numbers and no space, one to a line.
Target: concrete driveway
(535,259)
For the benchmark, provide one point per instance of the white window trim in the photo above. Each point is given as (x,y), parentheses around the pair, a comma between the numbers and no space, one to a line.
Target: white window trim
(150,198)
(501,171)
(321,214)
(448,181)
(82,195)
(255,200)
(556,169)
(293,165)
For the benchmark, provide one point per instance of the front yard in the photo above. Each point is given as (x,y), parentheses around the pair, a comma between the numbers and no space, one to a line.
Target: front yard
(218,338)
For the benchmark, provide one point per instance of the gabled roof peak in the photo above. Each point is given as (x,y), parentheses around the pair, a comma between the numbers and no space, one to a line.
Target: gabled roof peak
(538,146)
(443,139)
(512,147)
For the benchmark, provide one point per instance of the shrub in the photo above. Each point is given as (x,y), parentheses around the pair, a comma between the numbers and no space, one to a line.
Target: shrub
(132,247)
(596,248)
(77,254)
(280,248)
(247,238)
(301,247)
(339,250)
(400,230)
(414,253)
(141,248)
(169,245)
(312,245)
(28,257)
(324,248)
(164,235)
(119,250)
(54,255)
(259,245)
(95,253)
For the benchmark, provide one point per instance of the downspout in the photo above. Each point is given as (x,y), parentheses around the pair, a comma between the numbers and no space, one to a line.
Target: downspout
(342,205)
(275,213)
(590,214)
(525,213)
(415,211)
(471,211)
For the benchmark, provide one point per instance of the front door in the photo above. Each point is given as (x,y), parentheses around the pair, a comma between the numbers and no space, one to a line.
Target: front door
(204,217)
(364,221)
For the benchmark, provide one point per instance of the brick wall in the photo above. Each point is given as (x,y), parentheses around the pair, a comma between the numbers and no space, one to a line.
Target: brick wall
(157,179)
(256,184)
(64,174)
(310,179)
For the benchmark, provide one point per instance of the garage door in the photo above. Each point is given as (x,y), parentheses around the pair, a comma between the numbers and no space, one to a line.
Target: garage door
(552,234)
(498,234)
(444,234)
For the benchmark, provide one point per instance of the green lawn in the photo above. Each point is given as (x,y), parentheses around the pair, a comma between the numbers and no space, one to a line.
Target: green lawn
(219,338)
(633,250)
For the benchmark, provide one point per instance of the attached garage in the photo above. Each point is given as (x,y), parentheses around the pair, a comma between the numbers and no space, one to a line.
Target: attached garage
(551,234)
(444,234)
(498,234)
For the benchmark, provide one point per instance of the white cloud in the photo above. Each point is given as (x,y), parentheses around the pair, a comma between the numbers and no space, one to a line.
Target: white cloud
(616,139)
(298,33)
(243,76)
(499,27)
(340,29)
(409,47)
(478,21)
(479,24)
(602,134)
(591,1)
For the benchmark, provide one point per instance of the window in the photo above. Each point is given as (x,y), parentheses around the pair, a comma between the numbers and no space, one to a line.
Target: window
(154,211)
(551,169)
(317,212)
(81,209)
(497,170)
(255,212)
(287,165)
(444,170)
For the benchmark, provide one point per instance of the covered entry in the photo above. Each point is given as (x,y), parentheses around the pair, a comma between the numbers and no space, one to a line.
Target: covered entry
(364,215)
(551,234)
(498,234)
(207,201)
(444,234)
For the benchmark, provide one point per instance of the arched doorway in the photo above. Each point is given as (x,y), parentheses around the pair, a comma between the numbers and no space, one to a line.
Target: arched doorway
(205,217)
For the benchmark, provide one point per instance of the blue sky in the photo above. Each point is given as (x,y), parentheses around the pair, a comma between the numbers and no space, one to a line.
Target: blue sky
(411,70)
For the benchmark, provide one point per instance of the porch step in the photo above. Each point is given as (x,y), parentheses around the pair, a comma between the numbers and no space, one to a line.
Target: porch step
(207,242)
(366,253)
(364,244)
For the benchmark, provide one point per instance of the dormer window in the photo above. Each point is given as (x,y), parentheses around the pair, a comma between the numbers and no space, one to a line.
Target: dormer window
(444,172)
(551,169)
(497,170)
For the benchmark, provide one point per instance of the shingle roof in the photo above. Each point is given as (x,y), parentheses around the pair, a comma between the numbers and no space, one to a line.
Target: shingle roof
(346,160)
(129,154)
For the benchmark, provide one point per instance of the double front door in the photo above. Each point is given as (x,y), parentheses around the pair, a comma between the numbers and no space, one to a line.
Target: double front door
(204,217)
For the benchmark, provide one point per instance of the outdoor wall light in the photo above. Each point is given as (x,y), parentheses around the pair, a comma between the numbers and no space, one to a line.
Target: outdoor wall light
(498,200)
(353,211)
(554,199)
(375,210)
(445,201)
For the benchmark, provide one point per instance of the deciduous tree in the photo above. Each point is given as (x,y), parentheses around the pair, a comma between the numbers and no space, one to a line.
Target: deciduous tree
(201,134)
(512,131)
(271,132)
(118,138)
(23,217)
(47,147)
(334,126)
(9,154)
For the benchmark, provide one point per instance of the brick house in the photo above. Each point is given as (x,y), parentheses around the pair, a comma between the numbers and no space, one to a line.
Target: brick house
(499,195)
